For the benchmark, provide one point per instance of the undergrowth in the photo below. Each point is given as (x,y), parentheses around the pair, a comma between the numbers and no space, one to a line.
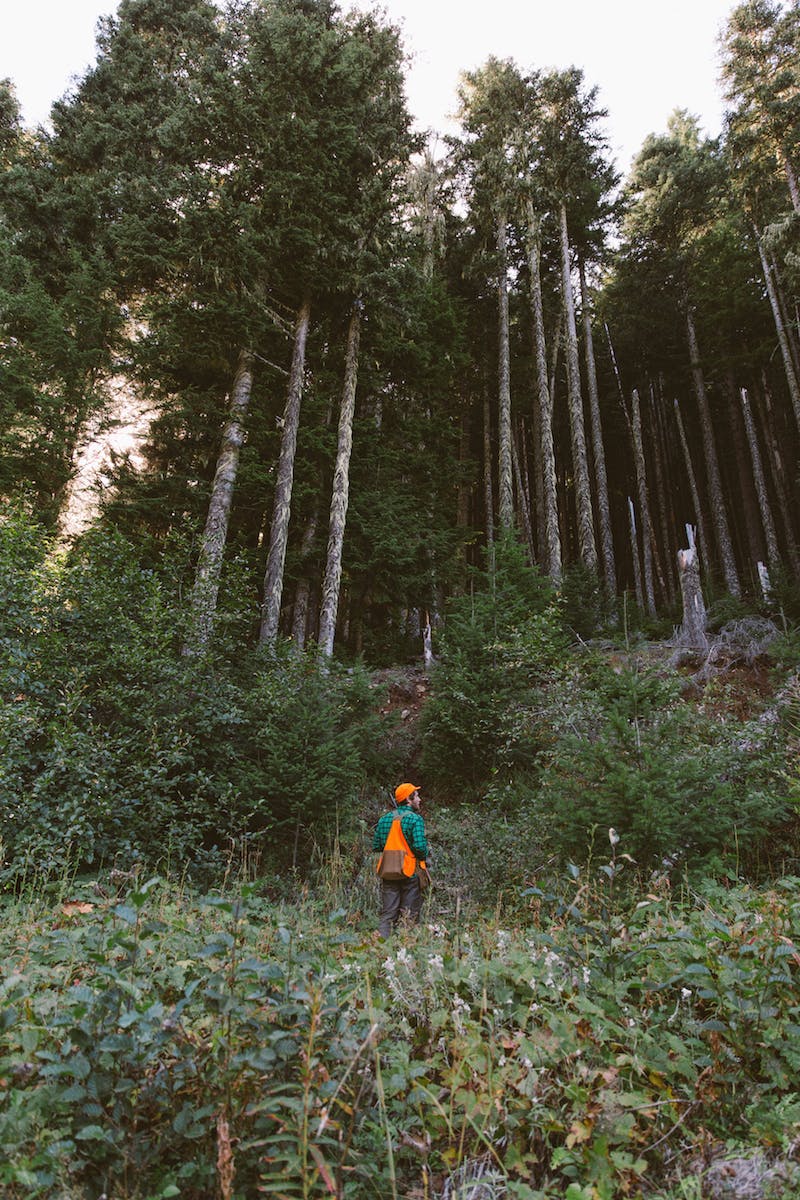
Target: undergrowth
(600,1043)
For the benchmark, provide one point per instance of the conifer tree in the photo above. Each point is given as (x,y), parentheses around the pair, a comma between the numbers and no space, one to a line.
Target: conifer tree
(578,180)
(674,186)
(492,103)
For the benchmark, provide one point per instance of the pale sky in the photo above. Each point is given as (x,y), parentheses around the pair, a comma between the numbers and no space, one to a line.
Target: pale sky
(647,57)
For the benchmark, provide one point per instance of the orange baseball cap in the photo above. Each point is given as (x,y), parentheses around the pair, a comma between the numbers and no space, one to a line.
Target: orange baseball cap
(402,792)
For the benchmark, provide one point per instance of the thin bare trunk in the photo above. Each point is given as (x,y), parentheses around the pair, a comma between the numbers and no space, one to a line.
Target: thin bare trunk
(544,405)
(555,351)
(282,502)
(637,567)
(699,519)
(780,483)
(523,504)
(598,451)
(644,507)
(580,462)
(212,550)
(525,479)
(302,595)
(488,490)
(505,485)
(749,527)
(785,306)
(719,516)
(759,478)
(780,328)
(340,491)
(659,458)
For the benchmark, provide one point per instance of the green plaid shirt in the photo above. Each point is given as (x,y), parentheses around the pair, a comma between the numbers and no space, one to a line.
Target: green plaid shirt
(412,825)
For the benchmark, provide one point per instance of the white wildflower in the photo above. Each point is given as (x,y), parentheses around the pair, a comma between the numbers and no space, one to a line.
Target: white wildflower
(613,836)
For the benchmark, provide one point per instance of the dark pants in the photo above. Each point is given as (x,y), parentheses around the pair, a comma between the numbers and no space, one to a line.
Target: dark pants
(401,898)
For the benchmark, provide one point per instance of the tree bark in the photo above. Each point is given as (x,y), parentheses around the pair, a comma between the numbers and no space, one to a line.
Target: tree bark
(212,550)
(699,519)
(340,491)
(302,595)
(788,321)
(580,465)
(488,490)
(544,404)
(719,516)
(780,328)
(693,630)
(637,567)
(759,478)
(659,462)
(791,180)
(644,507)
(523,503)
(505,484)
(780,482)
(598,451)
(753,546)
(282,503)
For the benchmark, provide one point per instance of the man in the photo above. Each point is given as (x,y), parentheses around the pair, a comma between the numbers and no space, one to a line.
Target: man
(402,897)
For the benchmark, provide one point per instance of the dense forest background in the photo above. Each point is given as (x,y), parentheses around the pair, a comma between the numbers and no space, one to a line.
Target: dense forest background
(332,455)
(294,397)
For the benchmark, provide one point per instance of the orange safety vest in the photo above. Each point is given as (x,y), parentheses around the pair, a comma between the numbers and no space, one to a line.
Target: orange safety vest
(397,861)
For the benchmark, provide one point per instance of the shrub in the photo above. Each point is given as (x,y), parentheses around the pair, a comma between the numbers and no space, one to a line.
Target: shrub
(114,745)
(654,768)
(501,645)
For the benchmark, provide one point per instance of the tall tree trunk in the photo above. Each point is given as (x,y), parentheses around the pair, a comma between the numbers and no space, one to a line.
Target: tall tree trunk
(759,478)
(791,180)
(780,482)
(544,404)
(753,546)
(525,478)
(488,490)
(462,495)
(601,479)
(523,505)
(340,491)
(282,503)
(644,507)
(719,516)
(637,566)
(693,488)
(580,463)
(212,549)
(505,486)
(780,328)
(788,321)
(555,350)
(664,509)
(302,595)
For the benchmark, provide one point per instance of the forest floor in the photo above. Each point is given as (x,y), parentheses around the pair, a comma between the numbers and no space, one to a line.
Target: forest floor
(733,681)
(404,689)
